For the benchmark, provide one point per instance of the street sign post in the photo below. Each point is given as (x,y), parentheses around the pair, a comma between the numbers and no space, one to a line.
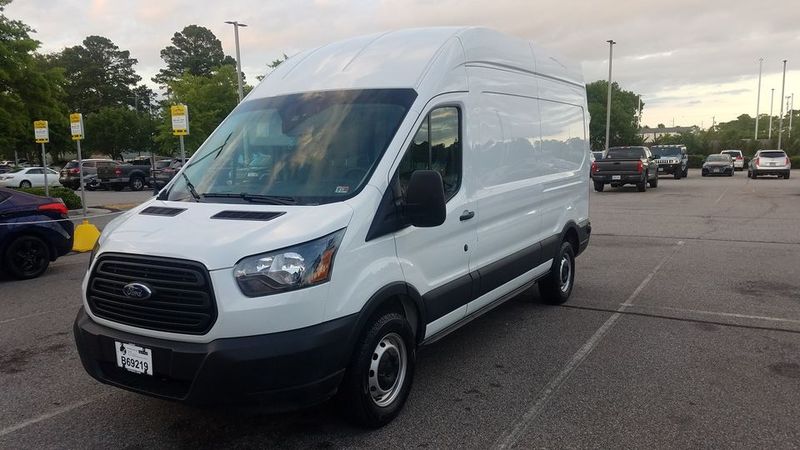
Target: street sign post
(76,129)
(42,135)
(180,125)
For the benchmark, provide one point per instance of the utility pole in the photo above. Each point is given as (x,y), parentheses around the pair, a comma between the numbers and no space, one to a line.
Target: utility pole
(758,96)
(608,99)
(780,119)
(236,26)
(791,114)
(771,97)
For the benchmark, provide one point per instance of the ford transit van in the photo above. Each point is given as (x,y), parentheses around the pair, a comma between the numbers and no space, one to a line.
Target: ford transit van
(367,198)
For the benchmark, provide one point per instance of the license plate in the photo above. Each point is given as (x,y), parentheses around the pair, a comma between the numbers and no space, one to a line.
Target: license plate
(134,358)
(716,170)
(660,169)
(616,177)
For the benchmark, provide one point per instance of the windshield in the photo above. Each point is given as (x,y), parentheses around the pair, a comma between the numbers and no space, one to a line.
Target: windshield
(316,147)
(772,155)
(625,153)
(666,151)
(71,165)
(718,158)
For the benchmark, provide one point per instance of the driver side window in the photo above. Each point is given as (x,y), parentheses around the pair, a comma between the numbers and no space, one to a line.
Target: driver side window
(436,146)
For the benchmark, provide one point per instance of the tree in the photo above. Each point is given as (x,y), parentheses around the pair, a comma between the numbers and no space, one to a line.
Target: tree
(624,115)
(196,51)
(29,90)
(209,98)
(112,130)
(273,65)
(98,74)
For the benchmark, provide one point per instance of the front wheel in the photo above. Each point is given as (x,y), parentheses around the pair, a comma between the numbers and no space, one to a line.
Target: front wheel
(677,174)
(25,184)
(556,287)
(26,257)
(378,379)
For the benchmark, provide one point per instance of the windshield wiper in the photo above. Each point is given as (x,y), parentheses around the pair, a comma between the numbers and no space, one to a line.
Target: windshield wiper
(190,186)
(254,198)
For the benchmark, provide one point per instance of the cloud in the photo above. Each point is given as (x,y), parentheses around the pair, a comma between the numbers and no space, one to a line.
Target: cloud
(707,51)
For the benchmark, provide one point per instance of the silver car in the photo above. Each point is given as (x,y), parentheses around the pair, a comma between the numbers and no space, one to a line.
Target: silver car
(769,162)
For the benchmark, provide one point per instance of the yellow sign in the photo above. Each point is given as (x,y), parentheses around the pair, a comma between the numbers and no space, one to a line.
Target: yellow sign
(76,126)
(180,120)
(41,132)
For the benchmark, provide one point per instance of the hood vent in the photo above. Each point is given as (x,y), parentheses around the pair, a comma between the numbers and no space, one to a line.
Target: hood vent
(247,215)
(162,211)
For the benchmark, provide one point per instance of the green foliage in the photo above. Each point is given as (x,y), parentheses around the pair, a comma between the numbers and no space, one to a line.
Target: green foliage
(28,91)
(70,198)
(194,51)
(273,65)
(795,161)
(696,161)
(209,99)
(98,74)
(624,115)
(116,129)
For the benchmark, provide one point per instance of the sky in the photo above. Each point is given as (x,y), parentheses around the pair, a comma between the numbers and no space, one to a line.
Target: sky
(691,61)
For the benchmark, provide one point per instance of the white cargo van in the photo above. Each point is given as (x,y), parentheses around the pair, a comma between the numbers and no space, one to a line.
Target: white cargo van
(368,197)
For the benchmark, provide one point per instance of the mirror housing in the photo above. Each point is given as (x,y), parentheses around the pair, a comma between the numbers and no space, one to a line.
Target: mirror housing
(424,203)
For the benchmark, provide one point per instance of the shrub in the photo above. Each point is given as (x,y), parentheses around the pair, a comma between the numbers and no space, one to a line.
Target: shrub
(795,161)
(696,161)
(70,198)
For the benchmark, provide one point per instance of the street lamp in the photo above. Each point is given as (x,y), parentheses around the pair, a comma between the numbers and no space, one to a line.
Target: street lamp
(758,96)
(780,120)
(608,99)
(236,26)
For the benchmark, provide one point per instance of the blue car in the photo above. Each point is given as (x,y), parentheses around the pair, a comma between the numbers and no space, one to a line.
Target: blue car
(26,248)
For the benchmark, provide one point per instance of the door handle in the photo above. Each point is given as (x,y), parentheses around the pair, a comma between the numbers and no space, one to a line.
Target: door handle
(466,215)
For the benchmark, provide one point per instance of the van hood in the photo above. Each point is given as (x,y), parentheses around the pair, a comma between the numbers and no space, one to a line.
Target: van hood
(218,243)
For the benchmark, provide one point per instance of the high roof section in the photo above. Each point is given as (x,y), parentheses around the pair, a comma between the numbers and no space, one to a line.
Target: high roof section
(430,60)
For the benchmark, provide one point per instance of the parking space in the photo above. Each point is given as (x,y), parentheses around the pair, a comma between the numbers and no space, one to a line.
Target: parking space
(683,330)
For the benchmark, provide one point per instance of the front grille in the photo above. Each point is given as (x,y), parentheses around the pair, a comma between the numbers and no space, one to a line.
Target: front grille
(182,299)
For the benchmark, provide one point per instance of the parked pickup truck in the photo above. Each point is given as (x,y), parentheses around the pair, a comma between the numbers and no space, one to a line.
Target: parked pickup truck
(625,165)
(119,175)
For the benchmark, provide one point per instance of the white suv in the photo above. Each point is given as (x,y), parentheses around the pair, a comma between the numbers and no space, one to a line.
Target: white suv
(770,162)
(368,197)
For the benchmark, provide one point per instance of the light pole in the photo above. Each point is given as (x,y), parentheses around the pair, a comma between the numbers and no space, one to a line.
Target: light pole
(780,119)
(771,97)
(608,99)
(236,26)
(791,113)
(758,96)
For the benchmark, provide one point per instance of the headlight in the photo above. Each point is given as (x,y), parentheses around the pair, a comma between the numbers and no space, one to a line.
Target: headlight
(288,269)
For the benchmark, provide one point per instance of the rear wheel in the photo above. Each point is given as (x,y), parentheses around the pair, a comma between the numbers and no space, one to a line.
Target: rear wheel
(556,287)
(26,257)
(654,182)
(599,186)
(25,184)
(137,183)
(642,185)
(378,379)
(754,175)
(786,176)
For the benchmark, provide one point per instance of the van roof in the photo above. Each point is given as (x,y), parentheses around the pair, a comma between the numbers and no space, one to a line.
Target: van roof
(418,58)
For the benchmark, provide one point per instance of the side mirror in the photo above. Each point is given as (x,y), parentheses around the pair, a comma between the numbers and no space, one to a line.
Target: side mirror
(425,204)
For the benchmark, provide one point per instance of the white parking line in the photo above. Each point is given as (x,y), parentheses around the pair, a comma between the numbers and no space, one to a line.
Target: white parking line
(510,438)
(723,195)
(49,415)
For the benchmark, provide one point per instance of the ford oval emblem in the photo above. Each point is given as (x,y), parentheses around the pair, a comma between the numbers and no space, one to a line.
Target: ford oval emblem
(137,291)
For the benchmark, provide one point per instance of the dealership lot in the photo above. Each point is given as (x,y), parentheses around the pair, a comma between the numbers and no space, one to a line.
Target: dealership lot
(683,330)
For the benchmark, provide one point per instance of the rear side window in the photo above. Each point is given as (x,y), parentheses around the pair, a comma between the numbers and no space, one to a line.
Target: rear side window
(35,172)
(772,155)
(436,146)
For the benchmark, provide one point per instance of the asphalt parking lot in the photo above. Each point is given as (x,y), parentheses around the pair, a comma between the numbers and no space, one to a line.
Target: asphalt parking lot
(683,331)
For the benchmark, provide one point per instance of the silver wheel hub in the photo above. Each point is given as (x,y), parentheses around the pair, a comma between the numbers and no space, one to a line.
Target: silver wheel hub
(565,273)
(387,369)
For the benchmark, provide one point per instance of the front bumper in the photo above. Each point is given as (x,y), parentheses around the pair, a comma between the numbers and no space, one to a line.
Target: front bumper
(280,371)
(669,168)
(717,170)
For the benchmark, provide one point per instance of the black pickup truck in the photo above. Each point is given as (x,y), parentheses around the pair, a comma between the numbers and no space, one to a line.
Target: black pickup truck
(625,165)
(118,175)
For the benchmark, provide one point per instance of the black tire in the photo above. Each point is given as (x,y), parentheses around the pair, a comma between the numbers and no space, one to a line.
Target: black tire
(642,185)
(25,184)
(685,172)
(754,175)
(356,394)
(654,182)
(26,257)
(599,186)
(137,183)
(556,287)
(731,174)
(786,175)
(677,175)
